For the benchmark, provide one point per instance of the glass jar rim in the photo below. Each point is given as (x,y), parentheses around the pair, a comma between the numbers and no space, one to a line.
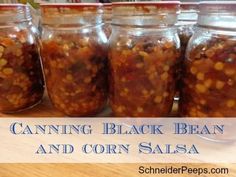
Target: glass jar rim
(189,5)
(71,13)
(15,12)
(217,6)
(144,3)
(52,9)
(107,4)
(68,5)
(12,5)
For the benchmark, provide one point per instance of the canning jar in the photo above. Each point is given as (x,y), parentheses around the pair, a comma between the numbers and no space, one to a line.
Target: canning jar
(74,56)
(143,51)
(21,80)
(210,66)
(107,17)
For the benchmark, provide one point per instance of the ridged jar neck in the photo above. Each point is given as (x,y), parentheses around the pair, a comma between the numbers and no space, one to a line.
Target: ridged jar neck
(188,12)
(107,12)
(143,14)
(220,14)
(81,14)
(14,13)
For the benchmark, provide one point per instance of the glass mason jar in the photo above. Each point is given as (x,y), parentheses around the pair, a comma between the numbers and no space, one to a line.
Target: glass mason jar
(143,51)
(21,79)
(74,56)
(107,17)
(210,66)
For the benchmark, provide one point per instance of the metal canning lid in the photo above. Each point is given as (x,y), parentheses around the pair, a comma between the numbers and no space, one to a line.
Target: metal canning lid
(217,7)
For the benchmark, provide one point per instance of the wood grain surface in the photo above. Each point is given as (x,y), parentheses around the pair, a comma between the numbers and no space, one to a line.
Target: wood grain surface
(98,170)
(45,109)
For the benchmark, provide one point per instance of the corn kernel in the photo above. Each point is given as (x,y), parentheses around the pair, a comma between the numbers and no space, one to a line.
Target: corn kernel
(200,76)
(219,66)
(143,54)
(230,72)
(164,76)
(208,83)
(18,52)
(168,45)
(219,84)
(201,88)
(230,82)
(8,71)
(209,53)
(139,65)
(123,79)
(158,99)
(166,68)
(120,109)
(126,90)
(69,77)
(140,109)
(230,103)
(3,62)
(145,92)
(193,70)
(1,49)
(202,102)
(66,47)
(152,92)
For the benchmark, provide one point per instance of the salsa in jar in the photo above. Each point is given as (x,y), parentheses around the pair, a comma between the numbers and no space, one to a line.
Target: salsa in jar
(74,55)
(210,67)
(21,79)
(143,53)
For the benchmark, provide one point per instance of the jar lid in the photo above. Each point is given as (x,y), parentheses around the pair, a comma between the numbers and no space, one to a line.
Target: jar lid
(217,6)
(14,13)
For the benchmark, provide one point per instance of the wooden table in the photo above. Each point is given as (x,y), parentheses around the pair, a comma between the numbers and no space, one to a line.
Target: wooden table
(45,109)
